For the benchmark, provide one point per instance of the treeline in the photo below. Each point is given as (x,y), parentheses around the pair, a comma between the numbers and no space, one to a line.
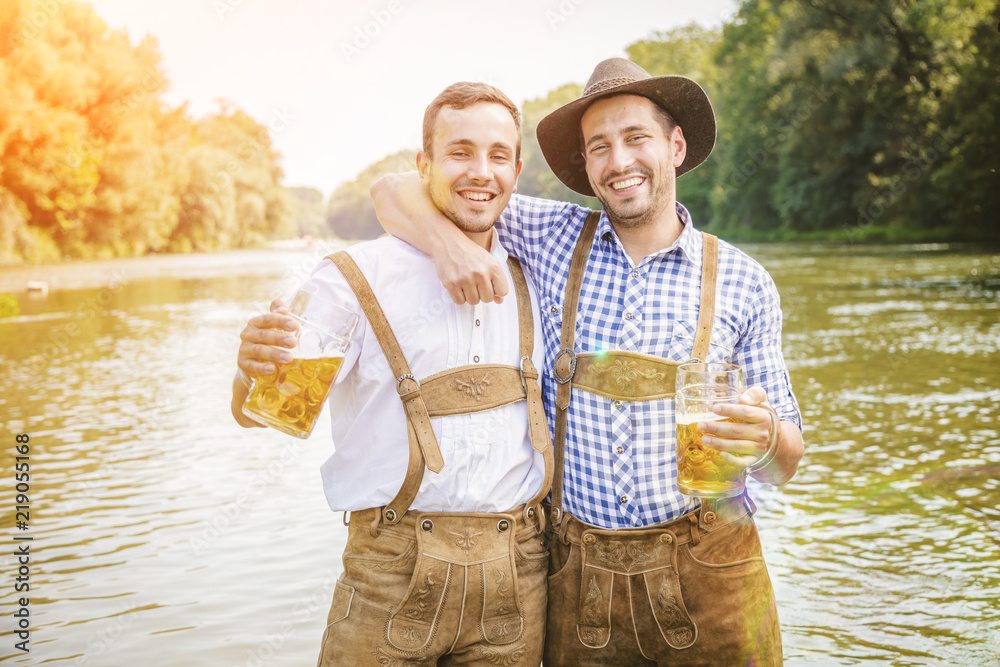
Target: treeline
(838,119)
(849,120)
(93,163)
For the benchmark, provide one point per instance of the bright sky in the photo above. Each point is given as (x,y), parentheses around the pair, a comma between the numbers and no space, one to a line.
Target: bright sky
(344,83)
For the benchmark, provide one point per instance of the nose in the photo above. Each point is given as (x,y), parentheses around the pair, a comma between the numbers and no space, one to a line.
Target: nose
(479,168)
(619,157)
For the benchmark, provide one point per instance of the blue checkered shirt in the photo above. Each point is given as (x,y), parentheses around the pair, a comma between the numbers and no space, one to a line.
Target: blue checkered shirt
(638,486)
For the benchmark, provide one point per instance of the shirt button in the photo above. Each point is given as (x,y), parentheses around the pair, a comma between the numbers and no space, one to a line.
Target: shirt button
(621,450)
(617,404)
(628,316)
(623,499)
(477,323)
(635,274)
(553,309)
(475,359)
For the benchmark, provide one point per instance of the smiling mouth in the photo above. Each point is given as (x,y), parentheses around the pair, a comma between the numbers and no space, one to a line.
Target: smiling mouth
(628,183)
(477,196)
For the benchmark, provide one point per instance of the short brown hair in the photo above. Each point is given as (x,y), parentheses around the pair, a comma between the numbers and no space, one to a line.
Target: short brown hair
(464,94)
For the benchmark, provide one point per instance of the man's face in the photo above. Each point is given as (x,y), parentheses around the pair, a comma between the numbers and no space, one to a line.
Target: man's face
(631,162)
(473,169)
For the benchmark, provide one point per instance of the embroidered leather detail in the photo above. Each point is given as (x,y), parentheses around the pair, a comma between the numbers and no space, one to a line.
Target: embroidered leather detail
(503,628)
(386,659)
(625,555)
(672,614)
(503,590)
(592,606)
(502,657)
(465,540)
(409,635)
(673,620)
(593,636)
(624,371)
(473,388)
(423,605)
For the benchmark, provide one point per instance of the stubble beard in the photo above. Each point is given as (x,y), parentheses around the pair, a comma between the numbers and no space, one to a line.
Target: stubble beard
(660,195)
(470,223)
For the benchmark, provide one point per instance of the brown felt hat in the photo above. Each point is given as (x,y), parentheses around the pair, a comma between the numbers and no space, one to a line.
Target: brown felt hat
(559,132)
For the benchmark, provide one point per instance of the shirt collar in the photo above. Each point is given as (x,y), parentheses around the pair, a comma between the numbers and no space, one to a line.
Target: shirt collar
(498,251)
(689,242)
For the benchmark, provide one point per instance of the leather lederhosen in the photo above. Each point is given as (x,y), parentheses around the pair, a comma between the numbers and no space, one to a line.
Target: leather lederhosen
(458,555)
(636,573)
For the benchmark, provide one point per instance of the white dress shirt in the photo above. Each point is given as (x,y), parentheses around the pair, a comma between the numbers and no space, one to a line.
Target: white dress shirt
(490,465)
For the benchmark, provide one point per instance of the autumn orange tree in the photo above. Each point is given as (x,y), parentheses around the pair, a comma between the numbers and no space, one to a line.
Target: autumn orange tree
(93,163)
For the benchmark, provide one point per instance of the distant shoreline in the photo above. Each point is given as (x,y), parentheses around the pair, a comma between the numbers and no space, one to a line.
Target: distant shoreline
(90,273)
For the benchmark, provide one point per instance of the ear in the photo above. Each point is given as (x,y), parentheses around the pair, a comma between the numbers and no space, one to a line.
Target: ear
(517,173)
(423,167)
(680,146)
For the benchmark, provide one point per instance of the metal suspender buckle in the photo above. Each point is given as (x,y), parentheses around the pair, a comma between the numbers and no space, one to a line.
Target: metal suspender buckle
(572,366)
(399,381)
(526,360)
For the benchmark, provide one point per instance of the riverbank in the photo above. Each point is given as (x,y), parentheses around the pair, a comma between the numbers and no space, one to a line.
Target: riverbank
(86,273)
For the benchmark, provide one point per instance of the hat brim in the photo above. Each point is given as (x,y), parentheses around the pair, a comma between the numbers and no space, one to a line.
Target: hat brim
(559,132)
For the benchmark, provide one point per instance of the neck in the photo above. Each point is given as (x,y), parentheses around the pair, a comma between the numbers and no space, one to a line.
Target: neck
(482,239)
(645,239)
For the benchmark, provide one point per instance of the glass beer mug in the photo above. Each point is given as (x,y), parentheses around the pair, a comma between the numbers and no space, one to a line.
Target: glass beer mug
(701,470)
(291,398)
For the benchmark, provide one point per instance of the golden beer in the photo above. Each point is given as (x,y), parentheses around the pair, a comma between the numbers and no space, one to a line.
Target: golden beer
(291,398)
(701,470)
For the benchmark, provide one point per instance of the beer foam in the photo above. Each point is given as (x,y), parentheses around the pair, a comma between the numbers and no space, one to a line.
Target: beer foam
(696,417)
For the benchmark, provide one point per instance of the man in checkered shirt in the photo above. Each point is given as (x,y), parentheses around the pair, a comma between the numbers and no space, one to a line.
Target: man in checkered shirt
(640,573)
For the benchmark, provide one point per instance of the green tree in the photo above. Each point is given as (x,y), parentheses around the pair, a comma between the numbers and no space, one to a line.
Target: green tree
(350,212)
(688,51)
(308,217)
(536,179)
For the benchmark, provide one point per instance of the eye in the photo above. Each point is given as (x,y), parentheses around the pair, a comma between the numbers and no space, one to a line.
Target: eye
(598,148)
(637,137)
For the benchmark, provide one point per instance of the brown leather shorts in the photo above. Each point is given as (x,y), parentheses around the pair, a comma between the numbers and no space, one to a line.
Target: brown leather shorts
(694,591)
(439,588)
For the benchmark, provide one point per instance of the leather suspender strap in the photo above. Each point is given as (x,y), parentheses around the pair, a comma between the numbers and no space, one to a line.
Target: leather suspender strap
(565,362)
(424,447)
(537,427)
(419,407)
(706,307)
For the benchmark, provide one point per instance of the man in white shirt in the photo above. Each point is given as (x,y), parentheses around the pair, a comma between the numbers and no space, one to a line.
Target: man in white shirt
(448,566)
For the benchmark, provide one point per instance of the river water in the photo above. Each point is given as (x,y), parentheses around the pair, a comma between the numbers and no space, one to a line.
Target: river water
(163,534)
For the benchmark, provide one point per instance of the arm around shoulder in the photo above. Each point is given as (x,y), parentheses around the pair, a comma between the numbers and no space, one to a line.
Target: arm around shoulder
(405,210)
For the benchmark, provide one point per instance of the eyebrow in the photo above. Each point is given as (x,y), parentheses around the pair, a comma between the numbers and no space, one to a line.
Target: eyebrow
(469,142)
